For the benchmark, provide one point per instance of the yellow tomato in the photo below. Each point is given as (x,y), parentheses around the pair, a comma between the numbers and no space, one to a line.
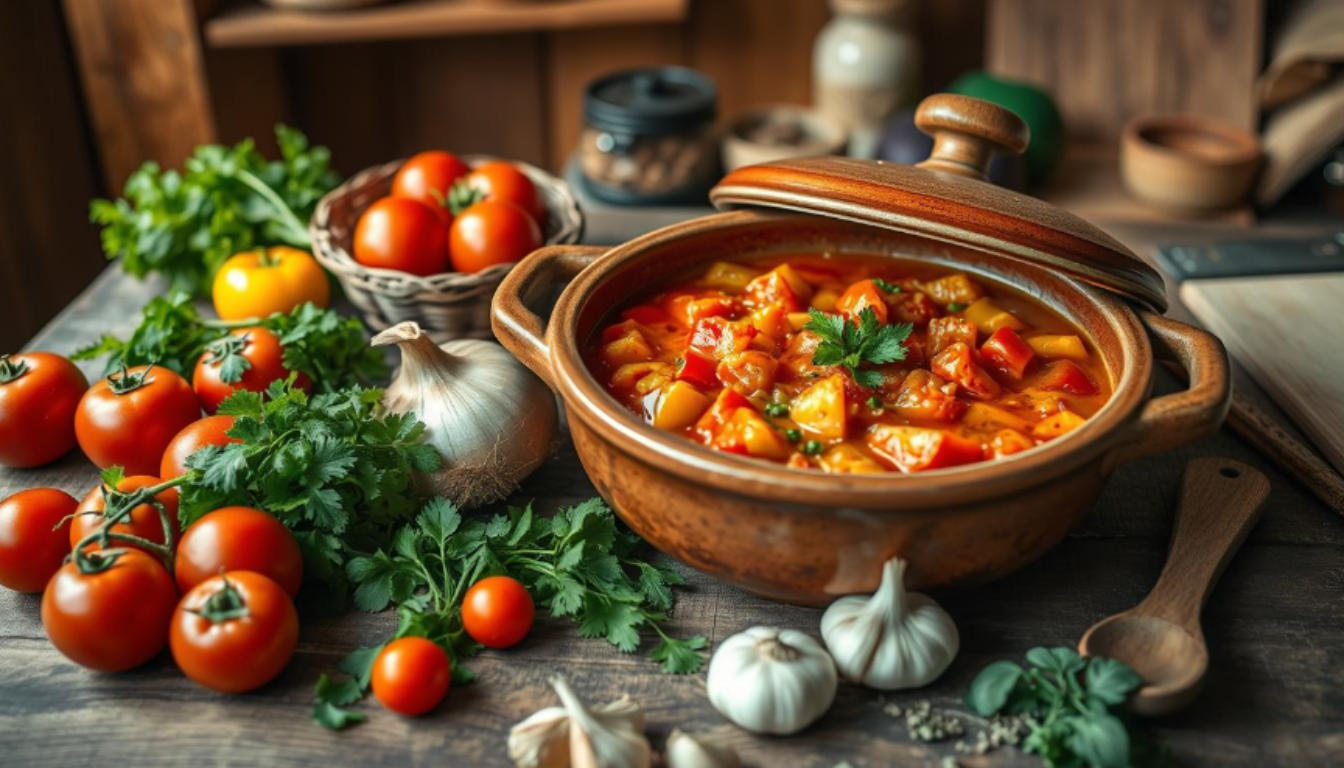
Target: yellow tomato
(267,280)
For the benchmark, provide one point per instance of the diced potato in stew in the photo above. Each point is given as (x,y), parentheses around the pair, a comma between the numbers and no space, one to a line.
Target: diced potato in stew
(849,364)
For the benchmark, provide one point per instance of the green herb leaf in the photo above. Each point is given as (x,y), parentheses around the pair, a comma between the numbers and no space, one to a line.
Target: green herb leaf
(855,343)
(1099,739)
(680,657)
(1111,681)
(330,699)
(992,687)
(1060,660)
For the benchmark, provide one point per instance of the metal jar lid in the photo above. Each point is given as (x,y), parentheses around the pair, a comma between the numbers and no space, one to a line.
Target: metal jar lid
(659,101)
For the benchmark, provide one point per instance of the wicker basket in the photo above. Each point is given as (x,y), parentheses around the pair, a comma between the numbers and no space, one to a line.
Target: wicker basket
(451,305)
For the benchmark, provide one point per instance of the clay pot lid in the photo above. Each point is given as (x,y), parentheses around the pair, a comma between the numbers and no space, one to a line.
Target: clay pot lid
(948,198)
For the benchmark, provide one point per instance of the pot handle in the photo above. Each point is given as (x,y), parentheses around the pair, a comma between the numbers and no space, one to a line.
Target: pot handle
(1172,420)
(516,325)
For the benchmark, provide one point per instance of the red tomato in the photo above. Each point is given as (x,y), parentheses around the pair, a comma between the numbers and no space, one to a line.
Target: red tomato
(39,392)
(144,521)
(112,620)
(1007,353)
(499,180)
(915,449)
(262,363)
(129,418)
(33,537)
(428,178)
(1066,376)
(411,675)
(234,632)
(208,431)
(860,296)
(239,539)
(395,233)
(491,232)
(497,612)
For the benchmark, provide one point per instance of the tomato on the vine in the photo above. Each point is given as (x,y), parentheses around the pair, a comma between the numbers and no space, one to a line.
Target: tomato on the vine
(500,180)
(144,520)
(491,232)
(34,539)
(239,539)
(234,632)
(411,675)
(130,417)
(39,392)
(428,177)
(395,233)
(112,619)
(497,612)
(212,430)
(268,280)
(248,358)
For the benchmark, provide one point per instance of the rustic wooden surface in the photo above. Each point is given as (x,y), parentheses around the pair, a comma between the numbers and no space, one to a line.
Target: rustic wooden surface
(1275,627)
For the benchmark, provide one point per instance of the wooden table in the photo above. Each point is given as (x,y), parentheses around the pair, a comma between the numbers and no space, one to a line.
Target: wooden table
(1275,628)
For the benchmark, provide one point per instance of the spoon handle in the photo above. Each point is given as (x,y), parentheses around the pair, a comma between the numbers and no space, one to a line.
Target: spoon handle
(1220,503)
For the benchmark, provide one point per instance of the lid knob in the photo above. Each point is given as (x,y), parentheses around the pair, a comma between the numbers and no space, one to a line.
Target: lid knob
(967,132)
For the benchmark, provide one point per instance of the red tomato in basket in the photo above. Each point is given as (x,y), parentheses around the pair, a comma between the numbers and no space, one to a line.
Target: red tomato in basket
(498,180)
(492,232)
(400,234)
(428,177)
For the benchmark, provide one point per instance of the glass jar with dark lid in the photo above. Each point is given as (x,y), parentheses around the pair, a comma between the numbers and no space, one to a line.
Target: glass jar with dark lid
(649,137)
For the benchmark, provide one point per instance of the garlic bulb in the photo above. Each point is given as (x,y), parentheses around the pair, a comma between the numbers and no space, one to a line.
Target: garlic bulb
(685,751)
(542,740)
(892,640)
(771,680)
(491,419)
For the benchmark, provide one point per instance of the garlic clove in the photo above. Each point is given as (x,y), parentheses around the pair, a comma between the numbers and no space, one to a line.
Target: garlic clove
(686,751)
(771,680)
(542,740)
(604,738)
(892,640)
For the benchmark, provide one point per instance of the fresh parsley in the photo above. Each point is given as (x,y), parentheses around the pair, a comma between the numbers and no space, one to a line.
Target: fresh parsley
(226,200)
(883,285)
(322,344)
(580,563)
(854,343)
(1068,701)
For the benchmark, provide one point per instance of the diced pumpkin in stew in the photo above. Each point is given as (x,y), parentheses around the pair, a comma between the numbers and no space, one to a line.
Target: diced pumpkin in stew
(616,331)
(946,331)
(797,320)
(1006,353)
(679,406)
(749,433)
(957,364)
(953,289)
(824,299)
(915,449)
(630,374)
(782,284)
(656,379)
(715,337)
(715,306)
(860,296)
(986,417)
(1061,423)
(1065,376)
(820,409)
(698,370)
(1006,442)
(725,405)
(990,317)
(730,277)
(911,307)
(770,320)
(848,459)
(925,396)
(1055,347)
(630,348)
(796,361)
(748,372)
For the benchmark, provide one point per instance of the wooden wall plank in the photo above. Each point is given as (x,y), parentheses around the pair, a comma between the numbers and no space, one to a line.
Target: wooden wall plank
(144,80)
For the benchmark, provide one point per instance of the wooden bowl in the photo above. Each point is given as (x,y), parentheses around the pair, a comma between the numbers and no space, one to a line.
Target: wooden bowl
(822,136)
(447,306)
(1187,163)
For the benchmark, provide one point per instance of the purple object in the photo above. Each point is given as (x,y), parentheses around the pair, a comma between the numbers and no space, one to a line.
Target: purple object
(901,142)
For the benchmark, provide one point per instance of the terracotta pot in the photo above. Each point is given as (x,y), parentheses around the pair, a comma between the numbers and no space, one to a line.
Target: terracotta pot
(804,536)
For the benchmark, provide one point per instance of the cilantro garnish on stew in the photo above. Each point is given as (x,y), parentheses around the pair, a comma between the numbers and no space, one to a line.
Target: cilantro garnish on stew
(853,344)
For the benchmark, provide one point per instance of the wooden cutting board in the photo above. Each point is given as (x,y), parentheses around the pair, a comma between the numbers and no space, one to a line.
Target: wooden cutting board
(1287,332)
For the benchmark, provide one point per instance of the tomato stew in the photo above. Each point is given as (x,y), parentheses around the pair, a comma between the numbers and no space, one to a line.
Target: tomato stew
(850,364)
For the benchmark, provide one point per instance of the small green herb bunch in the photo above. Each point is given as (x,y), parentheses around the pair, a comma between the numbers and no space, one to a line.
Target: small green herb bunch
(859,342)
(1069,700)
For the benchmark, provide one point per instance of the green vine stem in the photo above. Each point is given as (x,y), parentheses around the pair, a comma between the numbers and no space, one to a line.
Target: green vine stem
(117,507)
(296,232)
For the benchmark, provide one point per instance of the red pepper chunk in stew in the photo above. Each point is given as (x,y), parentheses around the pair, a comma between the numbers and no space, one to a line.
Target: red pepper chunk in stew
(850,364)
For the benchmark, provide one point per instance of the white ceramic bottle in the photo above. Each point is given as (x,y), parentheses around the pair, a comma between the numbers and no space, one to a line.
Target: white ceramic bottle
(865,66)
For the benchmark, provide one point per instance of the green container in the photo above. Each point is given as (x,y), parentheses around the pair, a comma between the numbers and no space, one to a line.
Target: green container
(1034,106)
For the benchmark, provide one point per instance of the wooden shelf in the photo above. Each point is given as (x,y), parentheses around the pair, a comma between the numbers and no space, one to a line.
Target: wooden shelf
(245,23)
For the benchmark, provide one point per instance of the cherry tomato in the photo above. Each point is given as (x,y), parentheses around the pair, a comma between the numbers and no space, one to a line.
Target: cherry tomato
(208,431)
(234,632)
(498,180)
(39,392)
(411,675)
(129,418)
(144,520)
(112,620)
(489,233)
(428,178)
(497,612)
(400,234)
(268,280)
(33,537)
(261,353)
(239,539)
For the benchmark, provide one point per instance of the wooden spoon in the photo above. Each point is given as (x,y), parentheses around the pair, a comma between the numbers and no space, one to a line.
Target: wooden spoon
(1161,637)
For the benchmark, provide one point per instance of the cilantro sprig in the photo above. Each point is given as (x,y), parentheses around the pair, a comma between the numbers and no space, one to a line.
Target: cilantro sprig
(1068,701)
(579,564)
(855,343)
